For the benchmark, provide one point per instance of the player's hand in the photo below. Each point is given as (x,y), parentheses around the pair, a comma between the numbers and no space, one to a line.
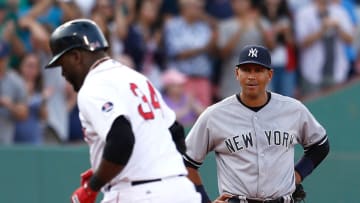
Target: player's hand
(299,194)
(85,176)
(84,194)
(222,198)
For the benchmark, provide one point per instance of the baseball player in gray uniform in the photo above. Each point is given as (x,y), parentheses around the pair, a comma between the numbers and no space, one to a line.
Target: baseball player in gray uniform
(253,134)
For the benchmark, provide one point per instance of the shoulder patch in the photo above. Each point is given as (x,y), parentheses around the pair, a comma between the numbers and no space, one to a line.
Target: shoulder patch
(108,106)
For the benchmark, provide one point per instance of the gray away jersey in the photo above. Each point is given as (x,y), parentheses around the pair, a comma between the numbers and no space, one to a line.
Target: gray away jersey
(254,150)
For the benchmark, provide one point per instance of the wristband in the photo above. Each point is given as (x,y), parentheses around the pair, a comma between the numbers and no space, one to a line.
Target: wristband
(204,196)
(95,183)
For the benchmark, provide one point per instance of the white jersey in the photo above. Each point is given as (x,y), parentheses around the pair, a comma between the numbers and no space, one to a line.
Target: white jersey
(112,89)
(254,150)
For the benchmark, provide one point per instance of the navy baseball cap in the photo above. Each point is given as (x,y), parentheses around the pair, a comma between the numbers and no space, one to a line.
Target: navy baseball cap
(255,54)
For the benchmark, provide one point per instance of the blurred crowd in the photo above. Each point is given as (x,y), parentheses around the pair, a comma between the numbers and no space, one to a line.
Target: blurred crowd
(187,48)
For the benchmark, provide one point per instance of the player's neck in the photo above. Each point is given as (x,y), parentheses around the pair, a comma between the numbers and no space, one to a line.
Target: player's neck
(254,101)
(94,59)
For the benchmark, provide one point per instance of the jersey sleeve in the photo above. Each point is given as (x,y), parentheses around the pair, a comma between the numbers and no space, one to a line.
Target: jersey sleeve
(311,130)
(198,141)
(100,106)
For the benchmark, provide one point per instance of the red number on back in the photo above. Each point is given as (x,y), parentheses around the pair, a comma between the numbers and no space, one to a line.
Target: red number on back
(154,99)
(145,108)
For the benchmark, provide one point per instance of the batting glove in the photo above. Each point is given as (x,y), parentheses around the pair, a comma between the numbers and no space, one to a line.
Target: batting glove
(85,176)
(84,194)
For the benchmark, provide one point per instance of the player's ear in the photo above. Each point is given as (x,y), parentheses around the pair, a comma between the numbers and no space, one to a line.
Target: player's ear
(76,56)
(237,73)
(270,74)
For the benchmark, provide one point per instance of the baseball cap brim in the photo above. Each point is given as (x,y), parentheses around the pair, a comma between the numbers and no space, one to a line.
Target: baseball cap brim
(253,62)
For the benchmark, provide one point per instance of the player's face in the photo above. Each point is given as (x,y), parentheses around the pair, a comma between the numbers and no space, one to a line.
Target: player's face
(253,79)
(72,69)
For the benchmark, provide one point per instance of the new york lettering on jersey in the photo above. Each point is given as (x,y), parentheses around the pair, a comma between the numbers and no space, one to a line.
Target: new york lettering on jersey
(273,137)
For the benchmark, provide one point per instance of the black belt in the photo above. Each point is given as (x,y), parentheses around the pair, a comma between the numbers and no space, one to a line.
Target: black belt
(237,200)
(134,183)
(139,182)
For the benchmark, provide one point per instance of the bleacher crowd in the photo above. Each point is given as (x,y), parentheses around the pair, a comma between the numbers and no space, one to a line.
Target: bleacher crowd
(187,48)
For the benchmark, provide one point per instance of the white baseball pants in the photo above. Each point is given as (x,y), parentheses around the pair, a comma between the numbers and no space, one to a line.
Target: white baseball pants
(178,189)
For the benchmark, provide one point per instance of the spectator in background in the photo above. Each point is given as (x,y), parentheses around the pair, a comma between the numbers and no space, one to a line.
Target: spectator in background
(283,54)
(186,107)
(295,5)
(351,51)
(123,19)
(31,130)
(323,29)
(169,9)
(12,97)
(9,32)
(124,12)
(103,15)
(127,8)
(39,18)
(82,7)
(143,40)
(219,9)
(189,40)
(36,20)
(246,27)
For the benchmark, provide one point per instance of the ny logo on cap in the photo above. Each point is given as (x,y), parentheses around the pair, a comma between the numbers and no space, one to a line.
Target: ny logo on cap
(253,52)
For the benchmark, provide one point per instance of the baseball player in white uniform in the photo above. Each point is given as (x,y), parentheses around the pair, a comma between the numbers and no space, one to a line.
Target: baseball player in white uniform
(125,121)
(253,134)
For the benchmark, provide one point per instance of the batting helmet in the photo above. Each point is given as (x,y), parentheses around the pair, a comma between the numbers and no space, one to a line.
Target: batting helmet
(255,54)
(80,33)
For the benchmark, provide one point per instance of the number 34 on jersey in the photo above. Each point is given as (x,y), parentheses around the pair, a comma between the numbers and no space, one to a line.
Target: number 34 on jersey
(146,105)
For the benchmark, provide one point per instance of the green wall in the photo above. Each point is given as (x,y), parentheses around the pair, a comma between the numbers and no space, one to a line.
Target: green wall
(51,173)
(40,175)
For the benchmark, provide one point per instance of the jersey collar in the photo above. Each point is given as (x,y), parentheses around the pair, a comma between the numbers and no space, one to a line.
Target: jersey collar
(94,65)
(257,108)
